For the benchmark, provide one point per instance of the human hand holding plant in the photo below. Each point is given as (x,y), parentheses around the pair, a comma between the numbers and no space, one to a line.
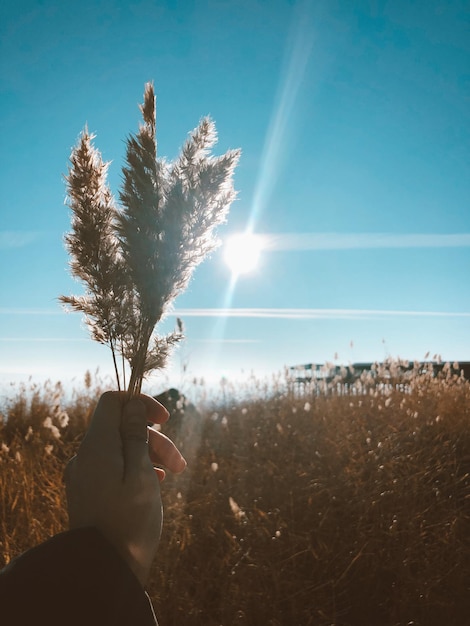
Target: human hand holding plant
(136,258)
(111,483)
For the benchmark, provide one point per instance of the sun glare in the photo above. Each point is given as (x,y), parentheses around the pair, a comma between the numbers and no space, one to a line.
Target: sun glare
(242,252)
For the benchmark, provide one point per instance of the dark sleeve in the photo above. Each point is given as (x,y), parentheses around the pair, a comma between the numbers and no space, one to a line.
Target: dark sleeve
(75,578)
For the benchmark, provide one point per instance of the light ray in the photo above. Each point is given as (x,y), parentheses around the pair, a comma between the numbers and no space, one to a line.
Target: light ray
(218,331)
(298,50)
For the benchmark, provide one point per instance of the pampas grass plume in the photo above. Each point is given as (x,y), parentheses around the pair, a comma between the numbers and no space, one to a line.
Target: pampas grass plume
(135,257)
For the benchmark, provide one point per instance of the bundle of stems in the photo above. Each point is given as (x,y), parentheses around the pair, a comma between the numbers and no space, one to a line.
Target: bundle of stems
(136,255)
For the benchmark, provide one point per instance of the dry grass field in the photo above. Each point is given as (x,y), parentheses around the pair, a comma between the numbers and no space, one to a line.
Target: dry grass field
(298,507)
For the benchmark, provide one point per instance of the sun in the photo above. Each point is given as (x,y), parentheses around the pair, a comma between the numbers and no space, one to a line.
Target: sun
(242,252)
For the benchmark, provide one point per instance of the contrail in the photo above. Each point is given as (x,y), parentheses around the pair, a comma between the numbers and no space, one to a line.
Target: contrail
(310,313)
(274,313)
(359,241)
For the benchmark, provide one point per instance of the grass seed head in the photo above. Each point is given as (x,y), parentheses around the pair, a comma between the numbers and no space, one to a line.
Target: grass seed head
(136,257)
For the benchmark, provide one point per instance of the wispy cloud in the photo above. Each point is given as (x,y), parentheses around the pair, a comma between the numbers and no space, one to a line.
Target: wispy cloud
(30,311)
(311,313)
(351,241)
(43,339)
(17,238)
(230,341)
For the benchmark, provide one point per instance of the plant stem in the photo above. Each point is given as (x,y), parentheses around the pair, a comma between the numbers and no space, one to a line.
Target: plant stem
(138,368)
(113,352)
(123,365)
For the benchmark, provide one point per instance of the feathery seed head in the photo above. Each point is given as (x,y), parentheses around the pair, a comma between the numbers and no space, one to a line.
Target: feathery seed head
(136,258)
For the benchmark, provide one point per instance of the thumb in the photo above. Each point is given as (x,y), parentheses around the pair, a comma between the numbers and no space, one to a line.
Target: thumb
(134,434)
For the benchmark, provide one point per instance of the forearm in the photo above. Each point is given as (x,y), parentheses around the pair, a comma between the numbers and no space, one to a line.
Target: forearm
(74,578)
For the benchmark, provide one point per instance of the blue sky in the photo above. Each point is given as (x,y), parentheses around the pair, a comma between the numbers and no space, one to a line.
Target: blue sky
(354,122)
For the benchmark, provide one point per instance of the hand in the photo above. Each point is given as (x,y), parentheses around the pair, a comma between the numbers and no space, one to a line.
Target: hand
(111,483)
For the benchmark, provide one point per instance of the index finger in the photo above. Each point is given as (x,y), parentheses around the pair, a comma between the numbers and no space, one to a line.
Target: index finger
(156,412)
(162,451)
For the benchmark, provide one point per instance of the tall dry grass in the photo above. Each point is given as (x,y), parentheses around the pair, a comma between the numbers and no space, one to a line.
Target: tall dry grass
(297,508)
(136,256)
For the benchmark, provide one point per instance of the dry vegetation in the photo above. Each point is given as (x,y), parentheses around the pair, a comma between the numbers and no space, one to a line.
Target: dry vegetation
(297,508)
